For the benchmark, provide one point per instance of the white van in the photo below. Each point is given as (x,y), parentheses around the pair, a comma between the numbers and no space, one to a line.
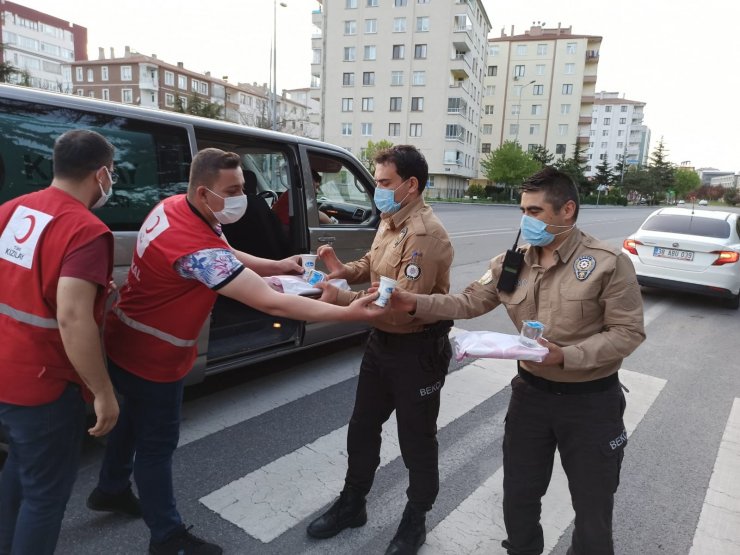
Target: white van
(154,149)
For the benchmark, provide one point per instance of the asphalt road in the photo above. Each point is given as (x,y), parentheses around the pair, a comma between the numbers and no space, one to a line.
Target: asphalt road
(262,448)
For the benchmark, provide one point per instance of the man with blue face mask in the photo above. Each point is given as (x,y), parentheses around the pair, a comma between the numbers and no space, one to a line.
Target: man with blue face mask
(405,362)
(586,294)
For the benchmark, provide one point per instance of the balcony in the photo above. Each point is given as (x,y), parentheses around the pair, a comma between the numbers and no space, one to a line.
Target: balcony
(587,99)
(592,56)
(589,78)
(584,120)
(460,67)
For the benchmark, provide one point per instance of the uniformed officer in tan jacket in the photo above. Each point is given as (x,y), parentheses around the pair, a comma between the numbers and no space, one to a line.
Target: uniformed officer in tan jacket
(586,294)
(405,362)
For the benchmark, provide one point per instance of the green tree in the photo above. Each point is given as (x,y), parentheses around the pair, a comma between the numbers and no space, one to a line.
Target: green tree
(685,181)
(640,181)
(509,164)
(476,190)
(732,196)
(196,106)
(542,155)
(371,150)
(7,70)
(661,171)
(575,167)
(604,174)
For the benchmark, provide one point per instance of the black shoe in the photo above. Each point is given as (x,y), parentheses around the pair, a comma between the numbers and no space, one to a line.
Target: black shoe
(124,503)
(184,543)
(347,512)
(411,533)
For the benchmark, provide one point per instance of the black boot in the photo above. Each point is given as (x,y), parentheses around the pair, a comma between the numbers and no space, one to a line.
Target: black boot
(347,512)
(411,533)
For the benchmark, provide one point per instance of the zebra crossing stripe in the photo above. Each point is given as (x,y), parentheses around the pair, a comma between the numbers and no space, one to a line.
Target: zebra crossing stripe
(272,499)
(718,531)
(476,526)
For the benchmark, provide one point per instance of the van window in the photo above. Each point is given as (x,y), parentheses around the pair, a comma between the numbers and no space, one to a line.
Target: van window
(151,159)
(341,195)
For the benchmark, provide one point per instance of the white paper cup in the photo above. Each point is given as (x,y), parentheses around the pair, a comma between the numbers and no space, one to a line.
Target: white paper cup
(308,261)
(387,285)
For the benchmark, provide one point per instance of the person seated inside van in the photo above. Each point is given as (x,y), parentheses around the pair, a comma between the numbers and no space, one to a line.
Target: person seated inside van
(281,206)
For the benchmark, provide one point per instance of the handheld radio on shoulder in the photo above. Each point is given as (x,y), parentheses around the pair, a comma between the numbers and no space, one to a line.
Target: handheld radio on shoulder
(512,265)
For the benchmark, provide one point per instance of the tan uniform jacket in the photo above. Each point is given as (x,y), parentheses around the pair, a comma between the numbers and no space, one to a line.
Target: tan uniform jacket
(589,302)
(413,248)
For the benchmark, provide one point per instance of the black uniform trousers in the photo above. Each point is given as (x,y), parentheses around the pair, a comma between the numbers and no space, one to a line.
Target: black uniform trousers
(404,372)
(588,430)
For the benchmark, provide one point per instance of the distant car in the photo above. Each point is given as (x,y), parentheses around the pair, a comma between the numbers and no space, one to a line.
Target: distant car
(680,202)
(680,250)
(703,202)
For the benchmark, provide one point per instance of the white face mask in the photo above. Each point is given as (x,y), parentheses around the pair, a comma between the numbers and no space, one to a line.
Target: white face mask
(103,195)
(234,208)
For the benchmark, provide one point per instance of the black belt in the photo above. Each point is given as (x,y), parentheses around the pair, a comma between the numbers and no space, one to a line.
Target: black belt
(569,388)
(400,340)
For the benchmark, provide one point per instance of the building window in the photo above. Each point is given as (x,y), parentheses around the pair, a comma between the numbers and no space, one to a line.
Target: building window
(534,128)
(620,145)
(183,102)
(347,104)
(370,52)
(518,71)
(169,100)
(565,109)
(350,27)
(604,144)
(521,50)
(567,89)
(90,75)
(488,109)
(104,73)
(91,94)
(182,82)
(349,53)
(417,103)
(348,79)
(346,129)
(203,87)
(607,121)
(492,71)
(622,120)
(414,130)
(486,129)
(536,109)
(368,78)
(394,129)
(399,25)
(169,78)
(350,4)
(540,69)
(399,3)
(419,78)
(372,3)
(538,90)
(485,148)
(125,73)
(80,92)
(79,74)
(563,129)
(515,109)
(592,133)
(420,51)
(570,69)
(371,26)
(367,129)
(623,108)
(398,51)
(542,50)
(127,96)
(570,48)
(194,84)
(514,129)
(395,104)
(106,94)
(489,90)
(607,108)
(560,149)
(605,133)
(422,24)
(494,49)
(396,78)
(368,104)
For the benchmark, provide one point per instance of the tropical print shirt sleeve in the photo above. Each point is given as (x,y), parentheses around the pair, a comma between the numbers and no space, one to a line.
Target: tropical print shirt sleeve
(214,268)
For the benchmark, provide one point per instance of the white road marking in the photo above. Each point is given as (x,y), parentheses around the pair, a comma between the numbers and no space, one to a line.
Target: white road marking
(272,499)
(718,530)
(476,526)
(654,311)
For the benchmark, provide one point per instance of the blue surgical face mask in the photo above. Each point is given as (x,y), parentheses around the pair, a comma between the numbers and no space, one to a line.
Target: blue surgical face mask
(535,232)
(385,200)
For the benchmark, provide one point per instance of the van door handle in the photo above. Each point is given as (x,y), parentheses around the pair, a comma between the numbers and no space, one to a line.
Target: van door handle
(326,239)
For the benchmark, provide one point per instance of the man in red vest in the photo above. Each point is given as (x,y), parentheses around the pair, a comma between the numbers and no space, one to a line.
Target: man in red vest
(56,260)
(180,264)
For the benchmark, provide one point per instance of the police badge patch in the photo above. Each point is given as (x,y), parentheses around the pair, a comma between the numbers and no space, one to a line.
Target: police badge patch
(583,266)
(486,278)
(401,235)
(412,271)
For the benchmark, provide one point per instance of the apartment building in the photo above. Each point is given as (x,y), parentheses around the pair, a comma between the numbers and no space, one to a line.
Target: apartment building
(617,132)
(539,89)
(148,81)
(406,71)
(40,45)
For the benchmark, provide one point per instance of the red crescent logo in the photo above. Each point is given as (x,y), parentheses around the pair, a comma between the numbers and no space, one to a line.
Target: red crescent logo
(151,228)
(32,219)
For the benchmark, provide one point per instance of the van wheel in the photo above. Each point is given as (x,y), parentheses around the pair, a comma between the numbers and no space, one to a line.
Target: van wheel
(734,302)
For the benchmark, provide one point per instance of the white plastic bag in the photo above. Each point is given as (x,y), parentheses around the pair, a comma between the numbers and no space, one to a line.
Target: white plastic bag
(490,344)
(296,285)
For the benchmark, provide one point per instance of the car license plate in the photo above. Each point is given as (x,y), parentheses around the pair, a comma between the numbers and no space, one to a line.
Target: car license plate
(676,254)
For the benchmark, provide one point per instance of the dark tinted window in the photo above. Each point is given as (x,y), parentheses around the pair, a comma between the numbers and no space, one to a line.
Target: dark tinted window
(152,160)
(688,225)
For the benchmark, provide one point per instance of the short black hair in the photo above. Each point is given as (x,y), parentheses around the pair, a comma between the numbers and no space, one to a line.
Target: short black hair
(558,186)
(315,176)
(408,160)
(79,152)
(207,163)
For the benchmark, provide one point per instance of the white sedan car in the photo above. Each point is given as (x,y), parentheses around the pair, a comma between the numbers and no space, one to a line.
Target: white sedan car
(687,250)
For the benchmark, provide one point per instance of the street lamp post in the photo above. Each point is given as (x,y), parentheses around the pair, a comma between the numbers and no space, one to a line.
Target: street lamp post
(273,103)
(519,111)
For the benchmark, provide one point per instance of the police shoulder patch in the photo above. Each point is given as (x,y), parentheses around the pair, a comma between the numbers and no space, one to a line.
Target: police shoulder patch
(583,266)
(486,278)
(412,271)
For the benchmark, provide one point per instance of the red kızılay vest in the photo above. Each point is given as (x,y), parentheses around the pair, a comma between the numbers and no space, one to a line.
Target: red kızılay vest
(152,330)
(36,232)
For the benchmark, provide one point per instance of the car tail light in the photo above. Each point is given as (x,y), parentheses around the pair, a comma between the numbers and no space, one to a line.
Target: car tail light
(726,257)
(630,245)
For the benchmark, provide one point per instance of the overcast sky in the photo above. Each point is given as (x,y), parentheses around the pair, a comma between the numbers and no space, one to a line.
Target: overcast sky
(678,56)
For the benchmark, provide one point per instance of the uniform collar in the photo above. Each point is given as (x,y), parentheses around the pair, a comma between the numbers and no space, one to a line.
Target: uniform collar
(216,229)
(564,251)
(397,219)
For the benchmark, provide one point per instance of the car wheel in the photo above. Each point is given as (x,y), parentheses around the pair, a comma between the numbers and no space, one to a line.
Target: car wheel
(734,302)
